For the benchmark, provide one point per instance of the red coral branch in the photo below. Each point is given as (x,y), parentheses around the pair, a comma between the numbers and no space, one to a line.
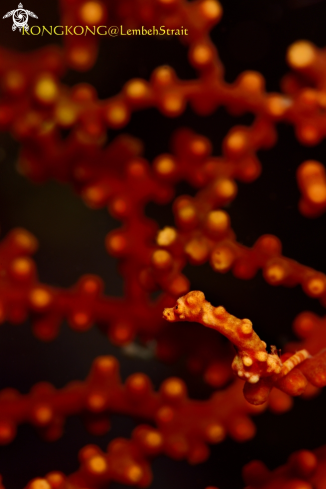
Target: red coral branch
(304,469)
(102,394)
(260,370)
(35,106)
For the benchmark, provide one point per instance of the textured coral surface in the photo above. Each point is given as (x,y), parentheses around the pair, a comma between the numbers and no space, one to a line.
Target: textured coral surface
(134,170)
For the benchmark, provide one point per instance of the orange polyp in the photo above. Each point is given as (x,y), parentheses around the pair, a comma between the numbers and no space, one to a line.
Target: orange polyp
(304,324)
(138,384)
(315,286)
(118,445)
(40,298)
(55,479)
(317,193)
(117,114)
(222,258)
(134,473)
(309,98)
(46,90)
(172,104)
(215,433)
(96,402)
(200,147)
(80,58)
(274,273)
(201,55)
(163,76)
(65,115)
(43,414)
(84,92)
(121,333)
(165,165)
(81,320)
(24,240)
(39,484)
(183,201)
(211,10)
(301,54)
(277,105)
(120,207)
(136,90)
(252,82)
(94,196)
(136,169)
(304,463)
(218,221)
(197,250)
(116,243)
(153,439)
(236,143)
(173,388)
(311,177)
(269,244)
(161,259)
(166,237)
(7,432)
(310,169)
(106,365)
(90,286)
(179,285)
(308,134)
(225,189)
(242,429)
(92,13)
(97,464)
(187,214)
(22,267)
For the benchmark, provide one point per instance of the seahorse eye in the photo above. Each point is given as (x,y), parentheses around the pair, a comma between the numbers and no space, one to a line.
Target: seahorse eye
(176,307)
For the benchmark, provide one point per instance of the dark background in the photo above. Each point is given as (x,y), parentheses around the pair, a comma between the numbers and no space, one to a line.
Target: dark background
(253,34)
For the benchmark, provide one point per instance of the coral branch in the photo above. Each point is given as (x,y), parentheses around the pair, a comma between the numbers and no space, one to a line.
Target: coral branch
(304,469)
(311,177)
(260,370)
(102,393)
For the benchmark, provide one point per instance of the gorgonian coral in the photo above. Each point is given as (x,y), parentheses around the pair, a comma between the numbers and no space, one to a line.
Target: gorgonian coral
(68,133)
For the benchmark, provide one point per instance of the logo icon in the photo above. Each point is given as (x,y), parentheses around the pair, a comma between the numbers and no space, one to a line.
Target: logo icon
(20,17)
